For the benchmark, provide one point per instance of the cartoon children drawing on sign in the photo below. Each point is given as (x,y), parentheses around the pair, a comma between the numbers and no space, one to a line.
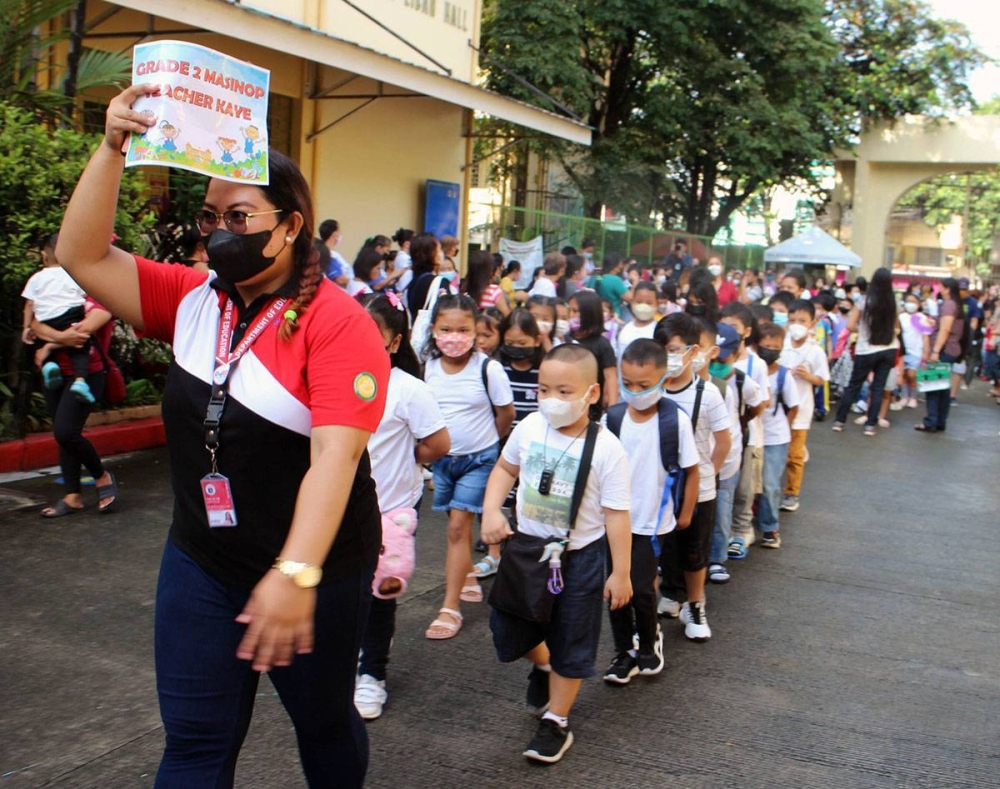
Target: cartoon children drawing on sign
(251,136)
(228,145)
(170,133)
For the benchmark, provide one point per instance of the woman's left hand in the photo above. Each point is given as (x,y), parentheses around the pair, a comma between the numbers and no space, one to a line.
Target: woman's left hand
(279,616)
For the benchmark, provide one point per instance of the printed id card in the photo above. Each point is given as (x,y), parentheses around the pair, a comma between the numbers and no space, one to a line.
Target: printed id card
(218,500)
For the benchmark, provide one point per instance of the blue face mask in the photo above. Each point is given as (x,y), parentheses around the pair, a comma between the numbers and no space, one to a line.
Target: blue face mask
(781,319)
(647,398)
(447,276)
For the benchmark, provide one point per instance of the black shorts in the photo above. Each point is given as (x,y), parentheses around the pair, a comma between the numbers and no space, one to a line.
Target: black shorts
(575,629)
(694,544)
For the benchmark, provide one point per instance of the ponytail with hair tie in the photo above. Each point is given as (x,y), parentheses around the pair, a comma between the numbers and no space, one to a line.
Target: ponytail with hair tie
(309,279)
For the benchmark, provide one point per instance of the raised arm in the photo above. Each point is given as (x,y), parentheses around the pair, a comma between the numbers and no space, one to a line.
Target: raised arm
(106,273)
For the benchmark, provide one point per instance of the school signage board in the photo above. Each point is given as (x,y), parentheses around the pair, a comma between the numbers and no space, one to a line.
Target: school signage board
(211,112)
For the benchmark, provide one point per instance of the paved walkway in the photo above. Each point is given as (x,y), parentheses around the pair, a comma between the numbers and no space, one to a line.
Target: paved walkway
(864,653)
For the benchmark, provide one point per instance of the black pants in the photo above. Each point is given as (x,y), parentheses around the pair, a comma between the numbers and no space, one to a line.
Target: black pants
(80,357)
(68,418)
(880,363)
(639,615)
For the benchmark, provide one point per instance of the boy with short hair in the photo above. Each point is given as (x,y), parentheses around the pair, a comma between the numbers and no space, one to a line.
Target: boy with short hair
(681,336)
(545,451)
(777,418)
(750,483)
(806,361)
(663,468)
(743,397)
(779,307)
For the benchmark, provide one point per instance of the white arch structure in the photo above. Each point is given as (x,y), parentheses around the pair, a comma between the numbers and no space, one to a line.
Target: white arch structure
(893,158)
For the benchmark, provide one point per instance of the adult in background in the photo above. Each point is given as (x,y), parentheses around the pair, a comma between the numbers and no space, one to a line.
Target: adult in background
(678,261)
(973,341)
(874,319)
(426,258)
(724,289)
(482,282)
(946,346)
(609,284)
(587,253)
(751,291)
(794,281)
(547,277)
(255,438)
(339,270)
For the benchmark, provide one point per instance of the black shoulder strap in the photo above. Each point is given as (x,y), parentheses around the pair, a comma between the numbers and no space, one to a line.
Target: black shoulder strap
(486,383)
(741,378)
(583,472)
(615,415)
(699,390)
(782,372)
(669,434)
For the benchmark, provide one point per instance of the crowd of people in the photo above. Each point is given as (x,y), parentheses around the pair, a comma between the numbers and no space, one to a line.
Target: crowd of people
(526,410)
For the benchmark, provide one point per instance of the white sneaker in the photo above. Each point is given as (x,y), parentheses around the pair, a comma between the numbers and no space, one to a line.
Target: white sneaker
(695,622)
(668,608)
(898,406)
(911,403)
(370,697)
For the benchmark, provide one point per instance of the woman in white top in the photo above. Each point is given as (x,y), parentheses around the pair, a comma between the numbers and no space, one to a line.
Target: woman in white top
(874,318)
(412,432)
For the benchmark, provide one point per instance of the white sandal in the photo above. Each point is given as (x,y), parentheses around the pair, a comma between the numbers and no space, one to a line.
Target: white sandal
(451,628)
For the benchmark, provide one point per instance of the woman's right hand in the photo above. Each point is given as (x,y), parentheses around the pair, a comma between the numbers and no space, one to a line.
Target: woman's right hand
(73,337)
(121,120)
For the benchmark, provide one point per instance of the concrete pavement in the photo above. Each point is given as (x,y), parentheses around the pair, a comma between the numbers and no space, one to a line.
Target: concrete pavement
(864,653)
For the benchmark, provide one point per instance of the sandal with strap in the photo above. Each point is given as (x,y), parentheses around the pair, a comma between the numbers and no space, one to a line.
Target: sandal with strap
(59,509)
(109,491)
(485,567)
(450,628)
(737,548)
(471,593)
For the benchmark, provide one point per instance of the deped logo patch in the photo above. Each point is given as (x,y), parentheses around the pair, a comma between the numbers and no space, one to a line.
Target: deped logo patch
(365,386)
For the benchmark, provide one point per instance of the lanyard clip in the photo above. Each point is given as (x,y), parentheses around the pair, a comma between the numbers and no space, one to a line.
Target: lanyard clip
(213,418)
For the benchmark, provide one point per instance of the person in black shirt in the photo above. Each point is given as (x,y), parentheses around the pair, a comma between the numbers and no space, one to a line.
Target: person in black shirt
(586,327)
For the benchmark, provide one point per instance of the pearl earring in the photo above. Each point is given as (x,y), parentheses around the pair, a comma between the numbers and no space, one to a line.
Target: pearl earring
(288,239)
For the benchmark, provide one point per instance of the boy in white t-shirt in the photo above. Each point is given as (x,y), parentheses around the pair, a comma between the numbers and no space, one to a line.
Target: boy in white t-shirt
(644,314)
(544,452)
(751,483)
(663,469)
(743,397)
(53,298)
(806,360)
(689,548)
(777,418)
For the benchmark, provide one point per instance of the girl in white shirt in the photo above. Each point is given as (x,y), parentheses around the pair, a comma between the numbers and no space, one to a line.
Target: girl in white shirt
(412,432)
(475,398)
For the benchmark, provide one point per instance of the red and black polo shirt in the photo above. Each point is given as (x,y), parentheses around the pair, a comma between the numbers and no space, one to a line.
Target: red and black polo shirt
(333,371)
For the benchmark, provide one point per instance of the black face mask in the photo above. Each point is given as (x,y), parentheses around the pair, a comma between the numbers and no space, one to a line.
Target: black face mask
(844,310)
(517,353)
(696,309)
(237,258)
(768,356)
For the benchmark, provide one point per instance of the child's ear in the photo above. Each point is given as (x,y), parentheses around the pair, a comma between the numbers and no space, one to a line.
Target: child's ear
(594,394)
(713,354)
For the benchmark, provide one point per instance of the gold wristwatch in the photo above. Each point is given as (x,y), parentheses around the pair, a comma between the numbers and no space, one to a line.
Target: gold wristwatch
(304,576)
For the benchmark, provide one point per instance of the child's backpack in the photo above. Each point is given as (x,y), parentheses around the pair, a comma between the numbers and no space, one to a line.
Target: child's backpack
(780,401)
(666,414)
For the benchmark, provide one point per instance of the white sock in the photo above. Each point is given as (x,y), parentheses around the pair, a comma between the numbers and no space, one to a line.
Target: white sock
(546,668)
(551,716)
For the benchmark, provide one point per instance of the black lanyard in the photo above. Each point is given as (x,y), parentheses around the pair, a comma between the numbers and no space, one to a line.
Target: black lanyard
(225,361)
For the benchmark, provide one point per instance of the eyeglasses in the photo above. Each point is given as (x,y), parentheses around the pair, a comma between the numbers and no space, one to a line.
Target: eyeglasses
(236,221)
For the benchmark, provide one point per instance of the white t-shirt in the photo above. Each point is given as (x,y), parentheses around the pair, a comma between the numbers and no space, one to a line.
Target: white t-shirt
(630,332)
(54,292)
(534,445)
(751,398)
(754,367)
(402,261)
(354,287)
(914,328)
(543,287)
(712,417)
(864,345)
(776,427)
(812,356)
(641,441)
(467,411)
(411,414)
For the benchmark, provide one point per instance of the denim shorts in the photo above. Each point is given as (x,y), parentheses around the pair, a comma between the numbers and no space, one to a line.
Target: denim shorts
(911,361)
(460,480)
(575,629)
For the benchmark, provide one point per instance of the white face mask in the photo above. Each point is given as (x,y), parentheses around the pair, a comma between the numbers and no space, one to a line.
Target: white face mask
(643,312)
(545,327)
(661,278)
(910,307)
(675,364)
(715,270)
(562,413)
(698,362)
(562,329)
(798,332)
(647,398)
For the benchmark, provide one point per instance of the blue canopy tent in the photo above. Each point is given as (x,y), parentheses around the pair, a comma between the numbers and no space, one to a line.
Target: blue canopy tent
(813,247)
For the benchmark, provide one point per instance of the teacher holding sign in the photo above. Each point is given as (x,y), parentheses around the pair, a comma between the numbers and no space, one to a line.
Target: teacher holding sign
(277,381)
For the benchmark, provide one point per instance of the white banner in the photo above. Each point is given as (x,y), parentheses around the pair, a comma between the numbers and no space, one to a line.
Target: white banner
(528,253)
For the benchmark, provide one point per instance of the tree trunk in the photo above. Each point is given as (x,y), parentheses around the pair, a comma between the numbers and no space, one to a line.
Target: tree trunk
(77,24)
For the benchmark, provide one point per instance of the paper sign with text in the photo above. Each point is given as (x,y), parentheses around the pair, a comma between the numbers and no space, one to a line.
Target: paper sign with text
(211,114)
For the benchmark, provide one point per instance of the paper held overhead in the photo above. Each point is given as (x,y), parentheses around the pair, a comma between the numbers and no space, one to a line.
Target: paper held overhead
(814,246)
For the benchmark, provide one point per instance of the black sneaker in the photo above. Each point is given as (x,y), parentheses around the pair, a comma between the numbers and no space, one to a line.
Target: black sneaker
(538,691)
(550,742)
(622,669)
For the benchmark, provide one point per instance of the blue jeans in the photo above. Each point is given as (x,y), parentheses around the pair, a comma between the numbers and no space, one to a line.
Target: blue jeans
(207,694)
(723,519)
(769,502)
(939,403)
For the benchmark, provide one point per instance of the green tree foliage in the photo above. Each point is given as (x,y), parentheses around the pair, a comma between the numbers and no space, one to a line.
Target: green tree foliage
(39,167)
(697,105)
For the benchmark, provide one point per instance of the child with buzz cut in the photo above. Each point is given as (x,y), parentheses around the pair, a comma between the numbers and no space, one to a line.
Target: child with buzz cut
(572,510)
(778,418)
(806,360)
(680,334)
(664,494)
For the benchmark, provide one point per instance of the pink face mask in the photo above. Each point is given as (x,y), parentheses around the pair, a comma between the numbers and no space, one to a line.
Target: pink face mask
(454,344)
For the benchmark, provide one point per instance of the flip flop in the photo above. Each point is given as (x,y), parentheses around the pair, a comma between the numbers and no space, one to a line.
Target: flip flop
(451,628)
(59,509)
(471,593)
(109,491)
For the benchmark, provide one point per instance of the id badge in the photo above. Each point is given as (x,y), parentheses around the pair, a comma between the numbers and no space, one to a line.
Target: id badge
(218,501)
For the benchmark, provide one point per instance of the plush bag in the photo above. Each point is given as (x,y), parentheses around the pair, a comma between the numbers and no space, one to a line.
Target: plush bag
(521,586)
(421,328)
(398,556)
(114,381)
